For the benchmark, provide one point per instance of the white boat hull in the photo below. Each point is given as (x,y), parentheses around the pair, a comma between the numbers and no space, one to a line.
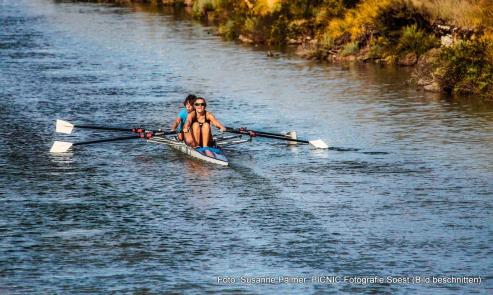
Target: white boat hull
(208,156)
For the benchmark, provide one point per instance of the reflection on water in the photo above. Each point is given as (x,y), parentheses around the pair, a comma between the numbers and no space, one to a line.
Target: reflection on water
(194,168)
(405,188)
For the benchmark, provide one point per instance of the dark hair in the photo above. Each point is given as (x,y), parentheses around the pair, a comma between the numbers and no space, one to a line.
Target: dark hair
(197,98)
(189,99)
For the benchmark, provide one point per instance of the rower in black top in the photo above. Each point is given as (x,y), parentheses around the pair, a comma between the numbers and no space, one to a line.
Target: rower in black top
(199,122)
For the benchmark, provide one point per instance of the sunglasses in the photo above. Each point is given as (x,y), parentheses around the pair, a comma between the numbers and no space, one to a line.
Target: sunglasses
(199,104)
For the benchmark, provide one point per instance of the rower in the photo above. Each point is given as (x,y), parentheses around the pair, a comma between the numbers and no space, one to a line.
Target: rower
(199,122)
(179,122)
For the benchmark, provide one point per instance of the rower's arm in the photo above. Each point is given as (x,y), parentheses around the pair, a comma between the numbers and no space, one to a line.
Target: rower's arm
(175,124)
(216,122)
(186,126)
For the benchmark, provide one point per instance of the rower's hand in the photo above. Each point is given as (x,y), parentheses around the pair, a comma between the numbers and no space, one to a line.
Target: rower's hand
(223,129)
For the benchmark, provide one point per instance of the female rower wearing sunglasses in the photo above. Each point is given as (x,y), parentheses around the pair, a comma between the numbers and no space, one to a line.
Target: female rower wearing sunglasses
(199,123)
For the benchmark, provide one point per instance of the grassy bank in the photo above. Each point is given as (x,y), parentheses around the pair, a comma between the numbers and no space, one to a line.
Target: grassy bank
(449,41)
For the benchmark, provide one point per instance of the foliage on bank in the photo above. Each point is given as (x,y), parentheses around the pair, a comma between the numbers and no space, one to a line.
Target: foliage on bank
(458,34)
(450,41)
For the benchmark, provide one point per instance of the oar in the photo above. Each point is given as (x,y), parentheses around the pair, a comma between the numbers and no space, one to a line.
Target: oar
(316,143)
(63,146)
(66,127)
(263,132)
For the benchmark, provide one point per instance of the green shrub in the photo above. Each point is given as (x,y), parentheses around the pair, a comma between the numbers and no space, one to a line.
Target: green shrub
(379,47)
(468,68)
(324,46)
(414,39)
(279,30)
(326,42)
(202,7)
(256,28)
(230,29)
(350,48)
(250,25)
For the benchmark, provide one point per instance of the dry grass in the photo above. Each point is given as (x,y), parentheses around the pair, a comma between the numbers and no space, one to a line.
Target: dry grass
(463,13)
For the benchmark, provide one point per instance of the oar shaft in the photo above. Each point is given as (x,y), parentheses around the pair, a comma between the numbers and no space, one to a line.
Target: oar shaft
(135,130)
(261,132)
(107,139)
(144,135)
(102,128)
(280,137)
(269,133)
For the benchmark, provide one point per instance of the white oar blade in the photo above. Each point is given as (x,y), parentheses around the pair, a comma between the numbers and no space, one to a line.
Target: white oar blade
(319,144)
(64,127)
(293,135)
(60,147)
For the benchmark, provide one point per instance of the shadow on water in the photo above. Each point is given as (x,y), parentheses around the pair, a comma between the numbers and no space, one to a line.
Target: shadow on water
(375,153)
(364,167)
(341,149)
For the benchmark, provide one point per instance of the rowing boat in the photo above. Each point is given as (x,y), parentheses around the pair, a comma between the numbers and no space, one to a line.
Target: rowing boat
(213,155)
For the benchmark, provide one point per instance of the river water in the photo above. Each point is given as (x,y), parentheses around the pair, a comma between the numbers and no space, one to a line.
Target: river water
(405,190)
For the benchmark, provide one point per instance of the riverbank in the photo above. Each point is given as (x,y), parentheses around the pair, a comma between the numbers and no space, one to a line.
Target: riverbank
(449,43)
